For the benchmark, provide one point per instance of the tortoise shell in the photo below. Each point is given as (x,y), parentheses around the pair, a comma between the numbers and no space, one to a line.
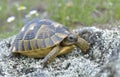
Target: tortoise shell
(39,34)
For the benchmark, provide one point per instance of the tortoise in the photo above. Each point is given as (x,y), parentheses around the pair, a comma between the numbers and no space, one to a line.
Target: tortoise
(44,38)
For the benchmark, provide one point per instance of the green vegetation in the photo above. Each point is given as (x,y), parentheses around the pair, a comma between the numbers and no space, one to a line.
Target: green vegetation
(8,34)
(67,12)
(85,12)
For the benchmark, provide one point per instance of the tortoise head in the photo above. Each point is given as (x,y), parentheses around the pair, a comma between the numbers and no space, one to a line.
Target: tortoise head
(73,39)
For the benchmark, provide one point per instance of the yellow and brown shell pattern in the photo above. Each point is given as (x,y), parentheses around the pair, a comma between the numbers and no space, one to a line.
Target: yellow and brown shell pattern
(39,34)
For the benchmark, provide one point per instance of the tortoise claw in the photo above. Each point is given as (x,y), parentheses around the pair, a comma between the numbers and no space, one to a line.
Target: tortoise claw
(44,63)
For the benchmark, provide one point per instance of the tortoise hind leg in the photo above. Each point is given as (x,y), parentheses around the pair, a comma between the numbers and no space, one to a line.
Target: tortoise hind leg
(51,56)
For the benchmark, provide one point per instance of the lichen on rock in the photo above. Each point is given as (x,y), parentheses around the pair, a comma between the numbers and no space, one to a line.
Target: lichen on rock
(102,59)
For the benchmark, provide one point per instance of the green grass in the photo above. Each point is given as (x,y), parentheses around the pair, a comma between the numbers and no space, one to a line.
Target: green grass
(8,9)
(85,12)
(7,34)
(67,12)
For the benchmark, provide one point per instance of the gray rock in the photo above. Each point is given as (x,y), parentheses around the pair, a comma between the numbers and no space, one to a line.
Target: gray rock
(102,59)
(111,69)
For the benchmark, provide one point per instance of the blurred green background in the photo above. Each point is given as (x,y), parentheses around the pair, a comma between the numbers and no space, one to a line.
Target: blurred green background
(72,13)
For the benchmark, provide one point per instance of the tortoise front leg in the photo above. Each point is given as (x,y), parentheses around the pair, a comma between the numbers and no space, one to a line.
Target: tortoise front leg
(56,51)
(51,56)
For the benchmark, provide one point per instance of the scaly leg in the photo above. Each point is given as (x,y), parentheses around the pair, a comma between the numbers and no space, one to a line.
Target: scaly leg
(51,56)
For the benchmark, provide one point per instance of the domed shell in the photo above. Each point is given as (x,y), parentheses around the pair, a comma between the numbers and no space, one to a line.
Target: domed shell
(39,34)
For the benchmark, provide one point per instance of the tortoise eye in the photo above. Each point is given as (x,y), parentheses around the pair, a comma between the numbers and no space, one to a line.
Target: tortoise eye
(72,38)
